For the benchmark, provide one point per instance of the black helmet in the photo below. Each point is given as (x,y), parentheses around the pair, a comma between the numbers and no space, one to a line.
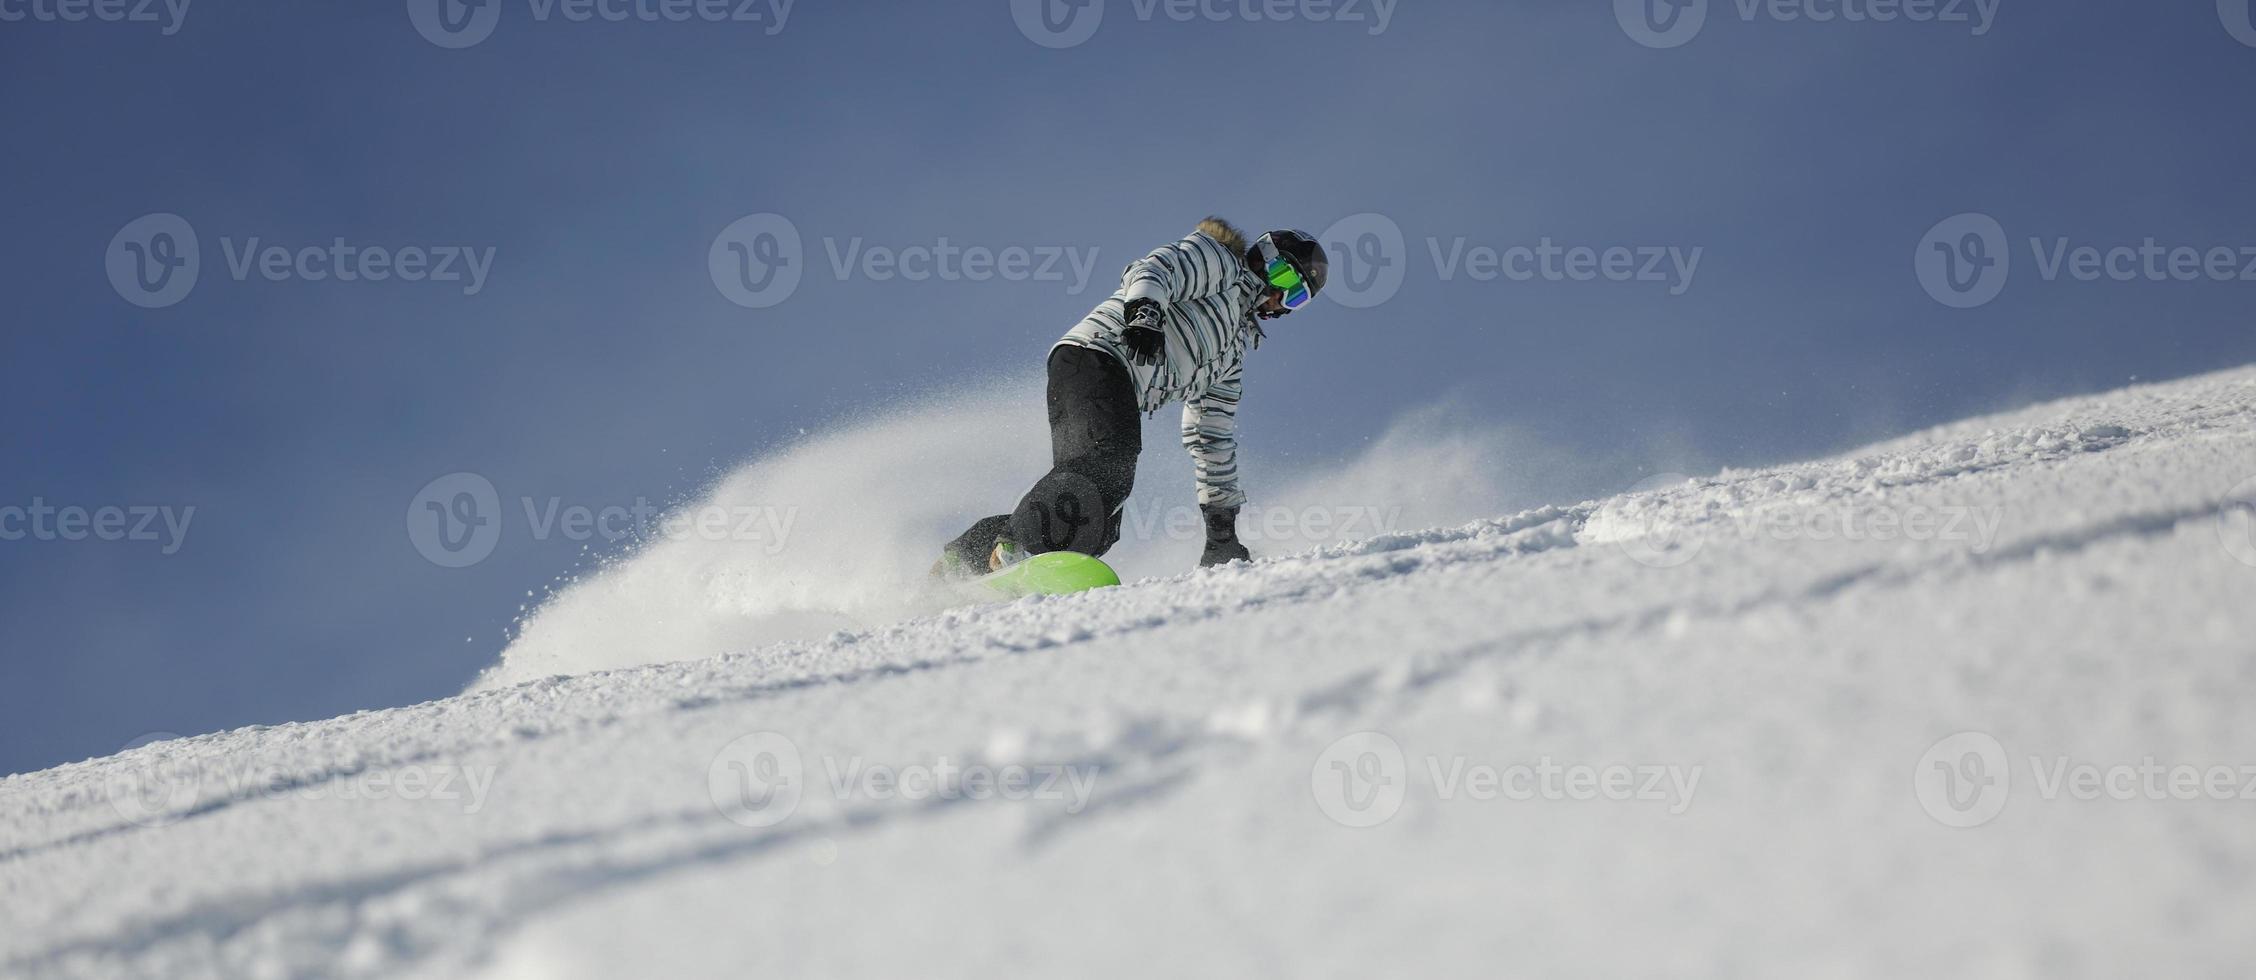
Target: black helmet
(1299,248)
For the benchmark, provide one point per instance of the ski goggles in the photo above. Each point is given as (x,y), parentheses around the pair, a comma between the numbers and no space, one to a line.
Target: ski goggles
(1286,276)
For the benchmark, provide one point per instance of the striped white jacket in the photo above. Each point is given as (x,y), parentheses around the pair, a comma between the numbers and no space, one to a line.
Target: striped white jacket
(1208,293)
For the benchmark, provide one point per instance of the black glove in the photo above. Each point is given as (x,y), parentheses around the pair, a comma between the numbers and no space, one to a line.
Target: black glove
(1222,544)
(1145,337)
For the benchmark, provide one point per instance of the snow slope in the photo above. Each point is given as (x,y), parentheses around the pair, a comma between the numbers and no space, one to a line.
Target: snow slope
(864,505)
(1828,719)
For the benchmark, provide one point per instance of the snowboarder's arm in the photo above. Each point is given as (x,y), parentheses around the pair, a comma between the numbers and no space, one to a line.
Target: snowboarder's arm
(1195,267)
(1210,432)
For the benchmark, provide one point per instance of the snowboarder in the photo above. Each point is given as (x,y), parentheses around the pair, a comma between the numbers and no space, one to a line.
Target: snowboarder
(1178,328)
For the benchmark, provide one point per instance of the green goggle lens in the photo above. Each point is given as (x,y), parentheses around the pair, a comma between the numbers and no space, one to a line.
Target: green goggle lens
(1285,277)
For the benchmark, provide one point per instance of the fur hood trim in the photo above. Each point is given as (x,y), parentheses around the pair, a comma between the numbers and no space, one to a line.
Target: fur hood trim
(1224,232)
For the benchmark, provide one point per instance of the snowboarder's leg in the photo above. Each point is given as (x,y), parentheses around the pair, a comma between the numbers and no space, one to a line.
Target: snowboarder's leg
(1095,436)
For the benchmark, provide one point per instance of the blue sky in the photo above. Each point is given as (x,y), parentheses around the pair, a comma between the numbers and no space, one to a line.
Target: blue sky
(600,163)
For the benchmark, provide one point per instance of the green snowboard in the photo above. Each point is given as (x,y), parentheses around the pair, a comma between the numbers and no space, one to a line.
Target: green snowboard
(1055,573)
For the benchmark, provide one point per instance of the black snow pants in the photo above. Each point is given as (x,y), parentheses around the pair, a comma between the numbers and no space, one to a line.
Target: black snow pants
(1096,433)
